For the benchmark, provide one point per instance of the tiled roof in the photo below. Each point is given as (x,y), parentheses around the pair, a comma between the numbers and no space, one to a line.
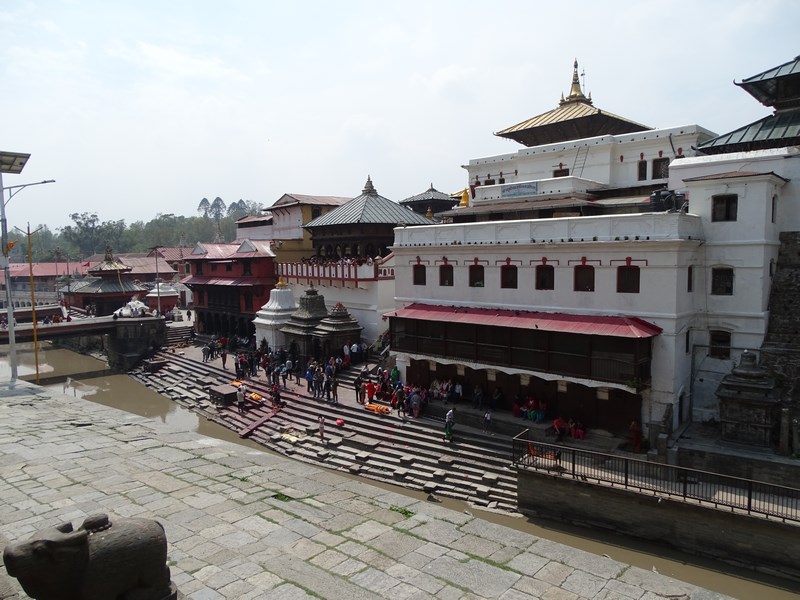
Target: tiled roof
(775,131)
(255,219)
(44,269)
(146,264)
(613,326)
(431,194)
(173,253)
(294,199)
(370,207)
(244,249)
(211,251)
(109,285)
(236,281)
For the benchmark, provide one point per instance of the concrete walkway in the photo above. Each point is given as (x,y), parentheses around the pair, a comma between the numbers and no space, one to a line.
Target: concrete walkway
(244,524)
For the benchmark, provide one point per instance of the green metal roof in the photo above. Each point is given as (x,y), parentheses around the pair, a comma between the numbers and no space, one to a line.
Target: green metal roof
(775,131)
(777,87)
(369,207)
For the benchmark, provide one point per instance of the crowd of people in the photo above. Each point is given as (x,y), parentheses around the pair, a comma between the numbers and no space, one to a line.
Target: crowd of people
(384,386)
(339,260)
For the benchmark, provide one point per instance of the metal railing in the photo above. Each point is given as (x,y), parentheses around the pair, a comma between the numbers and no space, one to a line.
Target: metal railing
(688,485)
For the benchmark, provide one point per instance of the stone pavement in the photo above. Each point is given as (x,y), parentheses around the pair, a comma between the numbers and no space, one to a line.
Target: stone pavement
(245,524)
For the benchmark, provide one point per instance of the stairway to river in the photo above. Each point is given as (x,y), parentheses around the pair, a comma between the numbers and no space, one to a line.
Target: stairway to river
(475,467)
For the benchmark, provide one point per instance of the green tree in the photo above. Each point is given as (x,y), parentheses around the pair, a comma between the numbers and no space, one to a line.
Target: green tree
(217,209)
(244,208)
(91,236)
(204,207)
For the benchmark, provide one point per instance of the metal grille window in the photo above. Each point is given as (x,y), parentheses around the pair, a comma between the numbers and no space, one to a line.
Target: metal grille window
(724,207)
(660,168)
(545,277)
(628,280)
(584,278)
(446,275)
(419,274)
(476,276)
(508,276)
(722,281)
(719,344)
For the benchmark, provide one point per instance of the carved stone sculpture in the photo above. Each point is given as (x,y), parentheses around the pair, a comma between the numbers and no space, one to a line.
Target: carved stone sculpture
(101,560)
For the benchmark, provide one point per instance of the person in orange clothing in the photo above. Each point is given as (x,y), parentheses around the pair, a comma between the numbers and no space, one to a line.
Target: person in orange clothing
(371,391)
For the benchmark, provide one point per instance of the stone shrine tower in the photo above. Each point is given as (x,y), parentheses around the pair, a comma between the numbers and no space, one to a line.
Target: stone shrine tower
(300,326)
(274,315)
(749,404)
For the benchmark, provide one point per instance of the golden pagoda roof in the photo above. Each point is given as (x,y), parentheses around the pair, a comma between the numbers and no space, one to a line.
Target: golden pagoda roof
(574,118)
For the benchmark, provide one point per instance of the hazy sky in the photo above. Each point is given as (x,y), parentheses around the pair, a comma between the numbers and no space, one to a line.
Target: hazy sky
(144,107)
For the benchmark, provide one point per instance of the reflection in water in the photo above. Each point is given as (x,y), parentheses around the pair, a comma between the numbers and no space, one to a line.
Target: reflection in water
(123,392)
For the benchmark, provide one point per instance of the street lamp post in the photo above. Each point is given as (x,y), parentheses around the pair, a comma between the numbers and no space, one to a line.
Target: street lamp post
(158,286)
(29,233)
(57,255)
(11,162)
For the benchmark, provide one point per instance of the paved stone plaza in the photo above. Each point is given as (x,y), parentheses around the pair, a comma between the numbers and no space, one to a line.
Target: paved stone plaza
(244,524)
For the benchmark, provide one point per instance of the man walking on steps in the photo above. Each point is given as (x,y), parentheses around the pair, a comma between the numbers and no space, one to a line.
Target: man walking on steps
(449,424)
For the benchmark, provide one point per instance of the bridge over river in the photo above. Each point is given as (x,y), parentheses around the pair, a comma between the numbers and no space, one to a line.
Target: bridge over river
(126,340)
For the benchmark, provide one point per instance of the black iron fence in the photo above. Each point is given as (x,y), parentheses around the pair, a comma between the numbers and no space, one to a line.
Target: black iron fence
(689,485)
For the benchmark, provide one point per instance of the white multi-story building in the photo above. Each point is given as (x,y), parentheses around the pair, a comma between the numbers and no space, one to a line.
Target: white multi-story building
(605,268)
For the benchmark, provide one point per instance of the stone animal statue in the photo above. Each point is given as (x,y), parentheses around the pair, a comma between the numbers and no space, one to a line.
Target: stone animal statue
(101,560)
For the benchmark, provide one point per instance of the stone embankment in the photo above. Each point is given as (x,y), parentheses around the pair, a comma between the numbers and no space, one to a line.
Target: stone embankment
(249,525)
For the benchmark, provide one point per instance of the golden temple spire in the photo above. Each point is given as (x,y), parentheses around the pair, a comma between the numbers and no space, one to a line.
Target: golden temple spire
(464,199)
(575,92)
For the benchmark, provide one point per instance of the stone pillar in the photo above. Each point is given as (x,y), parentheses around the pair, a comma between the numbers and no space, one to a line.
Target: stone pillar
(785,428)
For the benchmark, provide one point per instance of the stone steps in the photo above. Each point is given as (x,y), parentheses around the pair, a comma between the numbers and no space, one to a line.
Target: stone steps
(379,449)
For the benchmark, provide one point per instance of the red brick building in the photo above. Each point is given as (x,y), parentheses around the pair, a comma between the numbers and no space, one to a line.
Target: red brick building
(230,282)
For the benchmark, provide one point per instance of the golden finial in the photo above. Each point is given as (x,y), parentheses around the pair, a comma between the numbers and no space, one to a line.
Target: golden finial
(464,199)
(575,92)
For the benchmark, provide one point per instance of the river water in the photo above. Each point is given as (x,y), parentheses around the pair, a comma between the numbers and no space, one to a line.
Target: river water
(77,375)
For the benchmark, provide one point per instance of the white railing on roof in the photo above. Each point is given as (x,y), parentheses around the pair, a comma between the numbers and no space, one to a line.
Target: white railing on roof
(641,227)
(335,271)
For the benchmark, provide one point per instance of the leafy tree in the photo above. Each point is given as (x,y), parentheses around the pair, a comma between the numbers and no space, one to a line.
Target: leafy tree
(217,209)
(204,207)
(90,236)
(237,210)
(244,208)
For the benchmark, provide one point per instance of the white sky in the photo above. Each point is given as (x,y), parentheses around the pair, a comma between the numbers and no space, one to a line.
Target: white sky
(144,107)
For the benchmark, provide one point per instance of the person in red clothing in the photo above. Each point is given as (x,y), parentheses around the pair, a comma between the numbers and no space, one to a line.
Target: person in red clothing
(560,428)
(370,391)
